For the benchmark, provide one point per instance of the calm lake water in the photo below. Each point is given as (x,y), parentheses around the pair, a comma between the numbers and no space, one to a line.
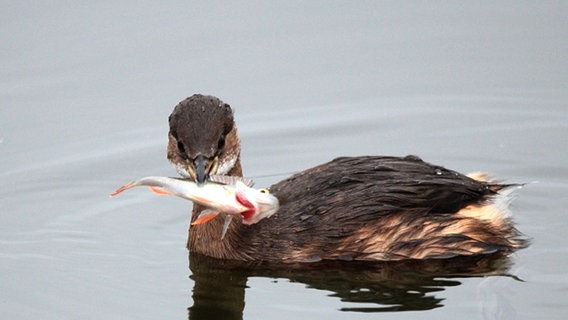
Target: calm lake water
(86,90)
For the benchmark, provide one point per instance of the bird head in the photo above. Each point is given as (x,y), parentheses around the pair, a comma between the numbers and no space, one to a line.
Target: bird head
(203,138)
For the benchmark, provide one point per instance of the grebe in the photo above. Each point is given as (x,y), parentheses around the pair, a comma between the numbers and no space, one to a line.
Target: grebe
(368,208)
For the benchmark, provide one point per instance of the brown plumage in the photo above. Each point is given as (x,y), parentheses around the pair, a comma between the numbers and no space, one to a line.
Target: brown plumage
(203,138)
(353,208)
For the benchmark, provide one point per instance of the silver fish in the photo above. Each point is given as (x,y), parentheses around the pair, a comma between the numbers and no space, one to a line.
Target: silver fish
(237,198)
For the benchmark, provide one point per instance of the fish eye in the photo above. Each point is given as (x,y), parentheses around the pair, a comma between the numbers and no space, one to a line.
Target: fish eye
(264,191)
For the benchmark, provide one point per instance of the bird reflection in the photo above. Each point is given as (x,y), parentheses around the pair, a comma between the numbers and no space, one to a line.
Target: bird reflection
(219,291)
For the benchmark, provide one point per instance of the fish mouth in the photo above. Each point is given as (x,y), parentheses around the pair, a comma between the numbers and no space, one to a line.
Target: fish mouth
(202,167)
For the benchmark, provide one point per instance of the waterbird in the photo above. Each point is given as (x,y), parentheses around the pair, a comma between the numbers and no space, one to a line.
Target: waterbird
(363,208)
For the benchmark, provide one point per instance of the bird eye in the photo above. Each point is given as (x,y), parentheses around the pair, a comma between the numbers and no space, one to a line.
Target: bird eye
(221,143)
(181,147)
(264,191)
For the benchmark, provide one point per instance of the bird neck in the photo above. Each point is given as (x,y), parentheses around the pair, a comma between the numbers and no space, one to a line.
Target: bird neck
(206,238)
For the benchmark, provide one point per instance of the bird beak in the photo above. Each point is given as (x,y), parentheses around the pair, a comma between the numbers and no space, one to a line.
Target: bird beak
(202,167)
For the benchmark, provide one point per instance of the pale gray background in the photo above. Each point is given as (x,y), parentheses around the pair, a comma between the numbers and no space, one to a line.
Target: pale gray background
(86,90)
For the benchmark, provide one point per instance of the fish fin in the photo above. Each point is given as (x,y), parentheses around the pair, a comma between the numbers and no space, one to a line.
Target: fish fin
(241,186)
(160,191)
(201,200)
(121,189)
(228,219)
(230,180)
(205,216)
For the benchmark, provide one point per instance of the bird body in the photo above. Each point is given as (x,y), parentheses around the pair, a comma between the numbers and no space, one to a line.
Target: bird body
(368,208)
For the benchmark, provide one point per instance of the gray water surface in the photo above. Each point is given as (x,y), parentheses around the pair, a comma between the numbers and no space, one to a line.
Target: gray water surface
(86,90)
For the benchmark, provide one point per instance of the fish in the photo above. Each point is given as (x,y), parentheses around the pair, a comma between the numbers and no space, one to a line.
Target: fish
(230,195)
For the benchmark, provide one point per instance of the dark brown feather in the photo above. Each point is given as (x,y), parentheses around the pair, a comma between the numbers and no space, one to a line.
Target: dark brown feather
(372,208)
(198,122)
(351,208)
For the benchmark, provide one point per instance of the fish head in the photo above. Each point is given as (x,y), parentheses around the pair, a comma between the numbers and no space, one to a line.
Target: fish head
(260,203)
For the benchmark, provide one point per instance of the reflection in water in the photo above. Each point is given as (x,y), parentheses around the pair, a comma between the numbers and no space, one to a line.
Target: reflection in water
(219,291)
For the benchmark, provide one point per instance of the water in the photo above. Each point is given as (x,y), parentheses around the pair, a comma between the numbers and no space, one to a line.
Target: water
(86,90)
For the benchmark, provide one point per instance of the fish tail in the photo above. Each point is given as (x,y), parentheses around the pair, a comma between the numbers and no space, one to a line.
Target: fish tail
(123,188)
